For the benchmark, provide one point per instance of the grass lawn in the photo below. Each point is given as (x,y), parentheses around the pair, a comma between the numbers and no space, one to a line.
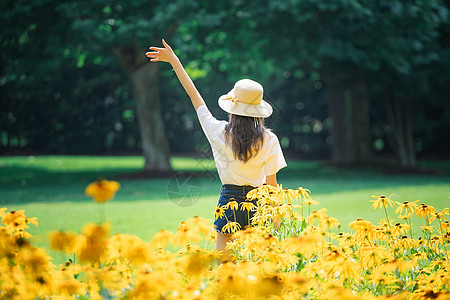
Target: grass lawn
(52,189)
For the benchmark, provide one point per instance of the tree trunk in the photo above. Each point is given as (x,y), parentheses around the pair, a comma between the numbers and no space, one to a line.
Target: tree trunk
(336,112)
(348,106)
(400,120)
(360,121)
(144,78)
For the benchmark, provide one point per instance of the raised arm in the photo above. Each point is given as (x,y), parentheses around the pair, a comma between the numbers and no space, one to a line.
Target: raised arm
(166,54)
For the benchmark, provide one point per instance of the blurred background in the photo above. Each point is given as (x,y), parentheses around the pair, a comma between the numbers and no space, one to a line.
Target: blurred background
(360,90)
(353,82)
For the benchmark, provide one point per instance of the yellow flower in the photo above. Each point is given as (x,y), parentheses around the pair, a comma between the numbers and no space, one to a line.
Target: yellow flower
(233,204)
(407,206)
(359,224)
(399,229)
(320,215)
(406,243)
(2,212)
(427,228)
(13,218)
(219,213)
(424,211)
(70,287)
(303,244)
(90,246)
(61,240)
(231,227)
(405,217)
(183,227)
(253,194)
(372,255)
(310,202)
(444,226)
(381,202)
(303,193)
(248,206)
(331,222)
(288,194)
(102,190)
(198,263)
(200,224)
(439,215)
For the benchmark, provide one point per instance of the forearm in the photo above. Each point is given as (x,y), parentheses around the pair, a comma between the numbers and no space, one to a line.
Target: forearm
(272,180)
(187,84)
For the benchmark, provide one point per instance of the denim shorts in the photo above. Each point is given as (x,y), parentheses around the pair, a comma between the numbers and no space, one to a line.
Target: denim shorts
(239,193)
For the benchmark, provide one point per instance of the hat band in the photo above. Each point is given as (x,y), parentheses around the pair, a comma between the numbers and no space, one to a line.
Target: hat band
(234,100)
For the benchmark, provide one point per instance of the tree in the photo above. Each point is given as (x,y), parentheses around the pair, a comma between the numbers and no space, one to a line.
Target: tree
(92,32)
(124,28)
(354,42)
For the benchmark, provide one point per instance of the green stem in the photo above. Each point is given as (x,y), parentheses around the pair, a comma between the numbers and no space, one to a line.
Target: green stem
(408,221)
(387,217)
(102,212)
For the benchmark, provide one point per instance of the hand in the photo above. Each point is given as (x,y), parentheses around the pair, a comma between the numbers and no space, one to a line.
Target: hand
(163,54)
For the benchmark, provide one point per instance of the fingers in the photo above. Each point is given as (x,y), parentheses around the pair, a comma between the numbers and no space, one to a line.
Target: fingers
(156,48)
(152,54)
(155,59)
(166,45)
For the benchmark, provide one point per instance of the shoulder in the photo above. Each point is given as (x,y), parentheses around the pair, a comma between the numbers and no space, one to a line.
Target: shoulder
(270,135)
(270,138)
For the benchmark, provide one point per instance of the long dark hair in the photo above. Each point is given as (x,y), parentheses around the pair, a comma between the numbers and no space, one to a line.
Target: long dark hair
(246,135)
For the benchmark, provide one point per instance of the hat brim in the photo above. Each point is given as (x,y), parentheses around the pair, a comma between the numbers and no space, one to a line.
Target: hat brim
(261,110)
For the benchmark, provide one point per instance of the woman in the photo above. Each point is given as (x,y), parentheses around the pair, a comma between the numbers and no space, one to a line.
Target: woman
(245,152)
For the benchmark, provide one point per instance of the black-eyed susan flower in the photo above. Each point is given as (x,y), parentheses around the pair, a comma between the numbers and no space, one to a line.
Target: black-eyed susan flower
(406,243)
(233,205)
(382,201)
(248,206)
(331,222)
(183,227)
(427,228)
(319,215)
(60,240)
(288,194)
(444,226)
(372,255)
(303,193)
(90,246)
(70,286)
(102,190)
(14,218)
(200,224)
(409,207)
(2,211)
(439,215)
(253,194)
(219,212)
(359,224)
(425,211)
(231,227)
(310,202)
(399,229)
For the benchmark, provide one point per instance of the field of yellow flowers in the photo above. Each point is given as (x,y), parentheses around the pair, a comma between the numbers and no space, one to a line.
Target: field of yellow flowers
(290,252)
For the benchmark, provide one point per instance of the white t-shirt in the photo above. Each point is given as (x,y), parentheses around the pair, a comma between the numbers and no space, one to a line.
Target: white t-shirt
(268,161)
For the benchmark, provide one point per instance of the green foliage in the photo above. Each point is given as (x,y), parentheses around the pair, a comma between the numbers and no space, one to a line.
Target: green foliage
(65,91)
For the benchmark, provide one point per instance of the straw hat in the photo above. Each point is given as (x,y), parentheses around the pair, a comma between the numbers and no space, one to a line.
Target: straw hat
(245,99)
